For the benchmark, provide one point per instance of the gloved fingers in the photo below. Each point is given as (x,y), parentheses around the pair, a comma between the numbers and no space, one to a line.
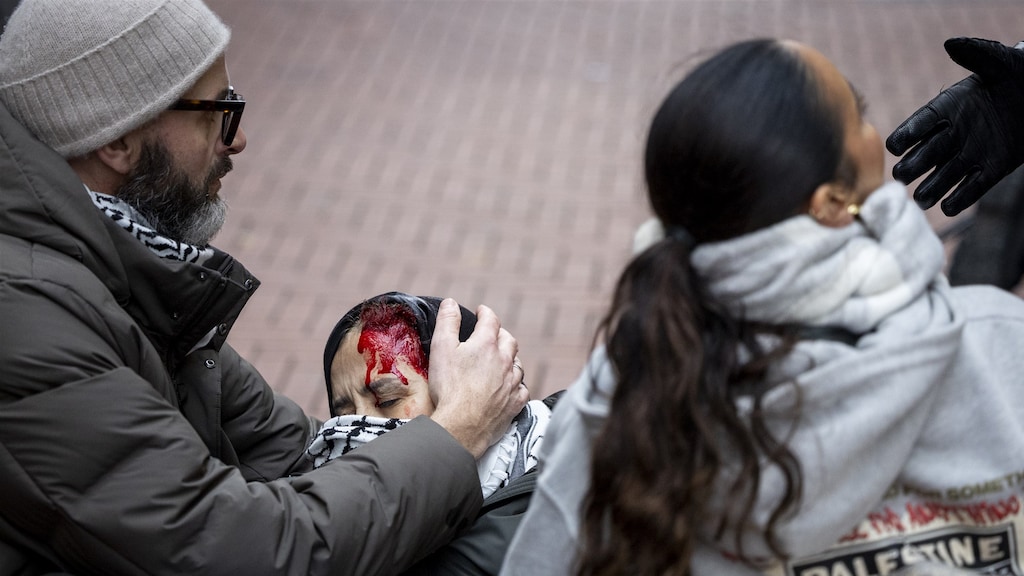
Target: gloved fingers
(938,183)
(913,130)
(936,148)
(988,59)
(973,187)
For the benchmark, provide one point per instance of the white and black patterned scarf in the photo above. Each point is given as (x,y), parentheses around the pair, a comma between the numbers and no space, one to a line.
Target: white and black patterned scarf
(511,457)
(135,224)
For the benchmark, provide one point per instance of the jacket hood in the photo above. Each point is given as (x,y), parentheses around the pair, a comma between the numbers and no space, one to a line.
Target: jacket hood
(42,200)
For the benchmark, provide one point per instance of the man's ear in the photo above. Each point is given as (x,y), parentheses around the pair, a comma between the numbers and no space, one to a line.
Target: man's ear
(831,205)
(121,154)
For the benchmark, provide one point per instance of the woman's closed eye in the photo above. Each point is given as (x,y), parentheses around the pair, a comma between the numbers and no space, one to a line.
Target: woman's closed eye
(387,403)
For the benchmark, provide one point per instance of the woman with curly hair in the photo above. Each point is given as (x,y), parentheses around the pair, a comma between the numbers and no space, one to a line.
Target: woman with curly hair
(786,383)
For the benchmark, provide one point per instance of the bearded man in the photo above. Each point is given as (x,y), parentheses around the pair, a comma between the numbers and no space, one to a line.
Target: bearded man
(133,439)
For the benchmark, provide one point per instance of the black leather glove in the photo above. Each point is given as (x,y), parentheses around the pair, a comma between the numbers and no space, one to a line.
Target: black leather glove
(971,133)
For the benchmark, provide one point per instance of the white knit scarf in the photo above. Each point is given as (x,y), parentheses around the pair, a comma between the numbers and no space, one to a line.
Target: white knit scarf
(511,457)
(128,217)
(801,272)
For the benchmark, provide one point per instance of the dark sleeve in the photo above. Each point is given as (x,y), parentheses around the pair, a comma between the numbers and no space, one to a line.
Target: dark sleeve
(480,549)
(268,432)
(128,487)
(101,470)
(410,495)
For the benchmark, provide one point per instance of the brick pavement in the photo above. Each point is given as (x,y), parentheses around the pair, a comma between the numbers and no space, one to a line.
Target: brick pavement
(489,149)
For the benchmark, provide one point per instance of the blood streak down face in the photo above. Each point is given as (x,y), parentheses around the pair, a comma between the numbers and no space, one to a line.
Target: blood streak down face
(389,334)
(376,360)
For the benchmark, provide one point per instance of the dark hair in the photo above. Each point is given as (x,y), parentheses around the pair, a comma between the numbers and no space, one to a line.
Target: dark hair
(741,143)
(421,312)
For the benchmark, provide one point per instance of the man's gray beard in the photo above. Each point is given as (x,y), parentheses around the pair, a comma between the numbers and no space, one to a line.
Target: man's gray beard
(171,203)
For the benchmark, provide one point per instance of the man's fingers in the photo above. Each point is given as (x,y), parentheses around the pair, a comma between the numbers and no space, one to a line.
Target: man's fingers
(444,341)
(929,129)
(936,150)
(986,58)
(487,323)
(938,184)
(967,193)
(913,130)
(520,396)
(507,343)
(446,327)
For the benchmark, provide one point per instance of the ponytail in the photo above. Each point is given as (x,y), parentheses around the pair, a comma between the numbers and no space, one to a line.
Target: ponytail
(673,423)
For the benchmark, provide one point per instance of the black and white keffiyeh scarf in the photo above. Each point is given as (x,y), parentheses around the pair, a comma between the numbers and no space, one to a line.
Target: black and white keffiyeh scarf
(135,224)
(511,457)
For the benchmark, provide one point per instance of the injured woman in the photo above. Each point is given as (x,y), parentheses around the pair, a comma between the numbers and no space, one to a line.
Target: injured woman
(376,367)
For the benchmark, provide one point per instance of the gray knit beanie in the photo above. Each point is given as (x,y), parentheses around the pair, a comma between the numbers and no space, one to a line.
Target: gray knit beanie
(80,74)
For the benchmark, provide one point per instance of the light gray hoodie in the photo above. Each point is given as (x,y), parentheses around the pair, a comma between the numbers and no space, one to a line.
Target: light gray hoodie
(911,442)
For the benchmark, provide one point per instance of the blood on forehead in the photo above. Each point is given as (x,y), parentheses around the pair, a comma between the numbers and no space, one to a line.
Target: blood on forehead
(389,333)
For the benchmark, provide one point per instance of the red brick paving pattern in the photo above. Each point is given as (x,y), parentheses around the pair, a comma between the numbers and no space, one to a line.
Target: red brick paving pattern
(489,150)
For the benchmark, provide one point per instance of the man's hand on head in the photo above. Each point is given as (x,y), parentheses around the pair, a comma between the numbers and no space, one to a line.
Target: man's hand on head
(476,393)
